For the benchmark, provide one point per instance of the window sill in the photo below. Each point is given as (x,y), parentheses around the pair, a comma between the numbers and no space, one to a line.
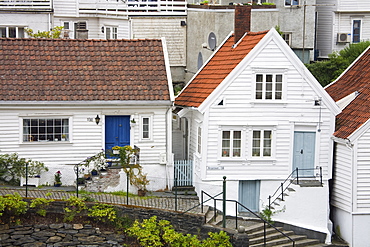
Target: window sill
(45,142)
(266,102)
(228,159)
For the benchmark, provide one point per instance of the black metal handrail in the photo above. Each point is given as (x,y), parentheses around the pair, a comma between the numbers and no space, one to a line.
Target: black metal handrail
(289,180)
(258,216)
(236,211)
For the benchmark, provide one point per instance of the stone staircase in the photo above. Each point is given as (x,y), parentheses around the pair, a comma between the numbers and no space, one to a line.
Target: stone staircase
(103,180)
(254,228)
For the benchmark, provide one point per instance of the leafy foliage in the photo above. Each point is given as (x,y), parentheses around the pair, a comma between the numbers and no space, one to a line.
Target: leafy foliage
(327,71)
(12,168)
(103,212)
(73,207)
(12,204)
(151,232)
(41,204)
(52,34)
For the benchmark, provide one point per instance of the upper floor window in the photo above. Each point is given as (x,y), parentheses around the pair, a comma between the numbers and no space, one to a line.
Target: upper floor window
(288,38)
(291,2)
(231,143)
(269,86)
(110,32)
(262,143)
(356,32)
(45,129)
(11,32)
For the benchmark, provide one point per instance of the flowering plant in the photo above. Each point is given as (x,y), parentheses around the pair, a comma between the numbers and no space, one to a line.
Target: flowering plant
(97,162)
(58,177)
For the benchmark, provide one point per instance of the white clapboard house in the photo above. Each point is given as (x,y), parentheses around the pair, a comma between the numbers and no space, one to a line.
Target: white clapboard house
(254,114)
(350,198)
(53,90)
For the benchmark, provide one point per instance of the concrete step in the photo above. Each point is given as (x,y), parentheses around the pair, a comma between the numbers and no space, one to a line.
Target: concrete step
(278,241)
(260,233)
(272,236)
(304,243)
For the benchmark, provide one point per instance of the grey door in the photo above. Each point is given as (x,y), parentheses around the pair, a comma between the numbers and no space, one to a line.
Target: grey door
(249,194)
(304,152)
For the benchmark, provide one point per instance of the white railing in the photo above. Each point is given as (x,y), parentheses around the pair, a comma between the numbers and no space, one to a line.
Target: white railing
(26,5)
(132,7)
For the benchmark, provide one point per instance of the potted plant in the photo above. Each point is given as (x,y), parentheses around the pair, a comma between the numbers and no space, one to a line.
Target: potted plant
(64,137)
(116,149)
(57,179)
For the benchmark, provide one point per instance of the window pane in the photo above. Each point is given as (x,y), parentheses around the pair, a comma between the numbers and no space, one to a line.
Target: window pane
(145,127)
(12,32)
(259,78)
(3,32)
(278,90)
(20,32)
(268,90)
(268,78)
(225,144)
(279,78)
(107,33)
(259,91)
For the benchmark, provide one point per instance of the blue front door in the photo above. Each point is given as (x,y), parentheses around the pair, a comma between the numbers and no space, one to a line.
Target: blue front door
(117,131)
(304,152)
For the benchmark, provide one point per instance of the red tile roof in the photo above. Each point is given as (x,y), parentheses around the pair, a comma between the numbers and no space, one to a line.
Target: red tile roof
(82,70)
(357,78)
(216,70)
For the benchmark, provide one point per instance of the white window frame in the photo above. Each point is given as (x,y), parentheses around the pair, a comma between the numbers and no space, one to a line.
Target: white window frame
(272,139)
(232,130)
(17,31)
(290,3)
(265,89)
(199,140)
(113,32)
(360,28)
(287,36)
(57,136)
(149,129)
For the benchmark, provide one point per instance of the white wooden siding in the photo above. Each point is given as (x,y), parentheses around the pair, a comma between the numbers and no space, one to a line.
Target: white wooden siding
(353,5)
(325,19)
(170,28)
(362,174)
(86,137)
(343,24)
(342,183)
(66,8)
(241,110)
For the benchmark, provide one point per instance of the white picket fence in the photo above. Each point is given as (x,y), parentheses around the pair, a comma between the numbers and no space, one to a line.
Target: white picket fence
(184,172)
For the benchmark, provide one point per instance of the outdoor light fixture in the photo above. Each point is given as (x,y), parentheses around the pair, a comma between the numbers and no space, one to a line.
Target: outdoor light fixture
(97,119)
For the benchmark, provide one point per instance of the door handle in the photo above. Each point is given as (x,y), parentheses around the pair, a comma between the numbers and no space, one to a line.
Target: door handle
(116,137)
(301,151)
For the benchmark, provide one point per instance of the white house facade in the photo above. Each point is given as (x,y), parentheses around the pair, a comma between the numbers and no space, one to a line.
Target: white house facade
(341,22)
(350,197)
(255,115)
(49,113)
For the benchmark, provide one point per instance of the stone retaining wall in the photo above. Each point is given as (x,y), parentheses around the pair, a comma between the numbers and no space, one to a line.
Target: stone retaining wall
(58,235)
(82,236)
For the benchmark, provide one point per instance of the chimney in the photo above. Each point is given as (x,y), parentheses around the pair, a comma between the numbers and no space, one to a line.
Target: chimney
(242,22)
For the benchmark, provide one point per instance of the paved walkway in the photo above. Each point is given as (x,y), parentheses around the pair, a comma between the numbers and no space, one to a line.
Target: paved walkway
(159,200)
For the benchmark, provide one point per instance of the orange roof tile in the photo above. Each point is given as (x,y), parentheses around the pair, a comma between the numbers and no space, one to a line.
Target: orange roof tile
(216,70)
(82,70)
(357,78)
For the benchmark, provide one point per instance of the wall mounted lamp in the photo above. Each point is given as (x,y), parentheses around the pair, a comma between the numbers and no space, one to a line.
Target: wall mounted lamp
(97,119)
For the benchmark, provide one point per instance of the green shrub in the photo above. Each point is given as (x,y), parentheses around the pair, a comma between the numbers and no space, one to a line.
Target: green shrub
(151,232)
(12,168)
(13,204)
(40,204)
(74,206)
(103,212)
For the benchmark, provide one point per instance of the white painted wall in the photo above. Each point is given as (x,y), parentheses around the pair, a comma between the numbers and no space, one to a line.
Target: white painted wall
(296,112)
(87,138)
